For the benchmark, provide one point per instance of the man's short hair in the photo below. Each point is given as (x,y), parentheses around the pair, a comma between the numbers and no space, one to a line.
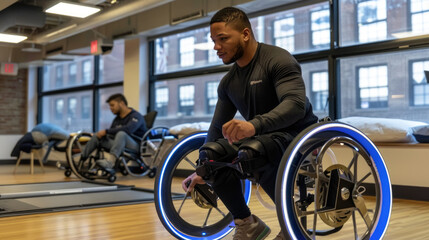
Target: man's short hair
(117,97)
(233,16)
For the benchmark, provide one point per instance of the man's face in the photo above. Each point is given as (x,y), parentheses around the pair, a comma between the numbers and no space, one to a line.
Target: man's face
(115,107)
(228,42)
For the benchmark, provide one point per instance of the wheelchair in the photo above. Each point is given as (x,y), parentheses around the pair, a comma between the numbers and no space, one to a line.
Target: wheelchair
(153,145)
(331,177)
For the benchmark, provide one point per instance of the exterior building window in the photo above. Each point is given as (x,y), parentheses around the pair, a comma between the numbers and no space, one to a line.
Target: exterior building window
(320,28)
(86,71)
(372,20)
(419,16)
(161,101)
(373,87)
(211,96)
(186,99)
(59,106)
(319,90)
(419,86)
(86,107)
(72,74)
(187,54)
(284,33)
(71,107)
(59,76)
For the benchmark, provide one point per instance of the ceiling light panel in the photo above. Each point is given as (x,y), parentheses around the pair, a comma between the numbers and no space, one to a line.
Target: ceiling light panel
(72,9)
(11,38)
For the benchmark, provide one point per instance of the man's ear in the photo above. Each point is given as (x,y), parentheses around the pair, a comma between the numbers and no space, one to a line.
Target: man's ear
(246,34)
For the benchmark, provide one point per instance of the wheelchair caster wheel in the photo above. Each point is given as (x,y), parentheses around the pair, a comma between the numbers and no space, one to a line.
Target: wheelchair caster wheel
(152,173)
(111,178)
(67,173)
(124,172)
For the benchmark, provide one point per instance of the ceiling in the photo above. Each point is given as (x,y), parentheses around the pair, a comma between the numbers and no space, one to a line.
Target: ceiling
(44,22)
(117,19)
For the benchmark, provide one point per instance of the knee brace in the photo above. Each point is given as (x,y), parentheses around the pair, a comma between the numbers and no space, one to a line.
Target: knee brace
(219,151)
(214,155)
(261,150)
(252,157)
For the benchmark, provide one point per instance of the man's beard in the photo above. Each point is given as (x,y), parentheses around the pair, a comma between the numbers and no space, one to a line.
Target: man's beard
(238,54)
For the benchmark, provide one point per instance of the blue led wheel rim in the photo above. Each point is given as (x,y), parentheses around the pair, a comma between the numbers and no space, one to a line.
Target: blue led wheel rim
(170,219)
(289,165)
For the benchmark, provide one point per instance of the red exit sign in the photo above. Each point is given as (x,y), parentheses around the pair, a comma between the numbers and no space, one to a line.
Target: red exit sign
(9,69)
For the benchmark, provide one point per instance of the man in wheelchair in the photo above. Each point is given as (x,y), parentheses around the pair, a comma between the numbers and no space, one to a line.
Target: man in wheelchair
(125,132)
(265,85)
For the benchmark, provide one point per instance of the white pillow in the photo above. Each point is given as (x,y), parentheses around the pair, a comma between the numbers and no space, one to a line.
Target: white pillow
(187,128)
(384,129)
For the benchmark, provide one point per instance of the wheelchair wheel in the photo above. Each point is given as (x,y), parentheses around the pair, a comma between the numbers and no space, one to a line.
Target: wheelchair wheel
(75,146)
(184,216)
(316,198)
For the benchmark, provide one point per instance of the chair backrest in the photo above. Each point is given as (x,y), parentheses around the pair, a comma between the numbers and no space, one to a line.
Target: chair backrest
(150,119)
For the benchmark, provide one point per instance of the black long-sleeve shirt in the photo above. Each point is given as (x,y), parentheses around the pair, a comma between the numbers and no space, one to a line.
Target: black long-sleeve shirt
(133,124)
(269,92)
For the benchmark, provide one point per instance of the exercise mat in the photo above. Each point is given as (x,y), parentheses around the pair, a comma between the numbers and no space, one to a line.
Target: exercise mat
(63,196)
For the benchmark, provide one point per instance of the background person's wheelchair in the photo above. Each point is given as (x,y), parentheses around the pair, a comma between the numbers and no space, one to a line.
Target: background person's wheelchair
(331,177)
(135,163)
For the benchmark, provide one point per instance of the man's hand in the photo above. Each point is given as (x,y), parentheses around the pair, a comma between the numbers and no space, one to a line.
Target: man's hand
(236,130)
(193,179)
(101,133)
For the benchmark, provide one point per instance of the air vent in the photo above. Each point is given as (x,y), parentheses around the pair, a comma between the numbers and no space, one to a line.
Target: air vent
(187,17)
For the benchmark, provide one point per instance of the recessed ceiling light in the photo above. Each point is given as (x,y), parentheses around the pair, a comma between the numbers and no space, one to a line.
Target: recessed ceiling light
(11,38)
(72,9)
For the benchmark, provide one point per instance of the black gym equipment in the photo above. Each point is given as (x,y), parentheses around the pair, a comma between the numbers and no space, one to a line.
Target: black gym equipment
(321,188)
(23,199)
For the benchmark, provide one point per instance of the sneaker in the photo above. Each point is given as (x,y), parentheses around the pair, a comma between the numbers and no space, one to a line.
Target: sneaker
(104,163)
(280,236)
(250,229)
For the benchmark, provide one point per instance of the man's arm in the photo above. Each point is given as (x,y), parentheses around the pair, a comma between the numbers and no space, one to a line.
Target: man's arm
(285,73)
(133,121)
(224,112)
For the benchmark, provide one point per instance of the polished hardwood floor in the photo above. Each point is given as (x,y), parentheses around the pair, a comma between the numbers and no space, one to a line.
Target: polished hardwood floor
(409,219)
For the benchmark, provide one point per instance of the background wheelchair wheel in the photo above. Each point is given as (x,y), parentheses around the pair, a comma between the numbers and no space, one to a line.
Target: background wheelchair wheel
(317,198)
(75,146)
(183,217)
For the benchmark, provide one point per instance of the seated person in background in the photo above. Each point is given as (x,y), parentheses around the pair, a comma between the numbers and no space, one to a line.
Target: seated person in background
(39,135)
(125,132)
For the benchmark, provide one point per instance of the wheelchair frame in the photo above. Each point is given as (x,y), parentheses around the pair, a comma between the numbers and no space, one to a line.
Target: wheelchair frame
(88,170)
(305,191)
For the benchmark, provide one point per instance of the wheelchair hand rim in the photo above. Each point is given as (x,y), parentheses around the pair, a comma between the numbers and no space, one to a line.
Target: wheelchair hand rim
(284,180)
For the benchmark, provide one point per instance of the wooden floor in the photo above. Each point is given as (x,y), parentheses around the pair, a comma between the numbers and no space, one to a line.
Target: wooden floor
(409,218)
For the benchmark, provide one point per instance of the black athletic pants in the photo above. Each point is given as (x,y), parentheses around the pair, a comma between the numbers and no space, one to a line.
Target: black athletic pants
(227,184)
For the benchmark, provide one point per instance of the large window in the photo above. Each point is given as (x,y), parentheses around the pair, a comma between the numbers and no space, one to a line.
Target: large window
(367,73)
(75,109)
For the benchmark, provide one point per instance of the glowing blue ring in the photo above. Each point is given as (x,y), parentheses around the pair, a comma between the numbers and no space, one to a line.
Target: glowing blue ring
(383,217)
(220,234)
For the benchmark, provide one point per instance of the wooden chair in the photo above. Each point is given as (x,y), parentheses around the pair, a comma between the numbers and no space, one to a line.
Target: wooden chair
(35,150)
